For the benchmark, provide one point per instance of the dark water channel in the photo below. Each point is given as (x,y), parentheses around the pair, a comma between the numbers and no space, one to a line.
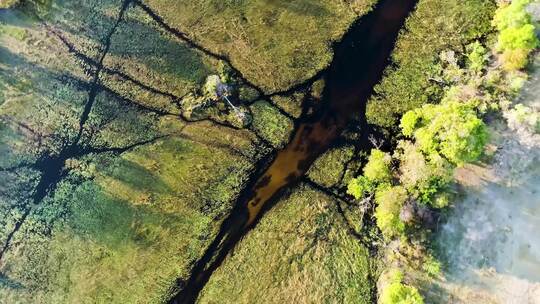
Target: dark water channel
(358,64)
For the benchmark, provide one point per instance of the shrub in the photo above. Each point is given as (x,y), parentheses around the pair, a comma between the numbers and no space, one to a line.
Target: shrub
(477,56)
(512,15)
(389,201)
(451,129)
(378,167)
(516,81)
(376,172)
(514,60)
(409,123)
(441,200)
(423,178)
(360,186)
(523,118)
(413,167)
(515,38)
(398,293)
(432,266)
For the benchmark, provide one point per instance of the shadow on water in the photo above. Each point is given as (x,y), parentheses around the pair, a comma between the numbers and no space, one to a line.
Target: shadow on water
(358,65)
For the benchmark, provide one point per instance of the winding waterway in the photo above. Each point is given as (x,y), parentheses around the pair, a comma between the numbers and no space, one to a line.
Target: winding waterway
(358,64)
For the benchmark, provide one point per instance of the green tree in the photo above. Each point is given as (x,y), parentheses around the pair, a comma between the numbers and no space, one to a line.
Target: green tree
(477,56)
(423,178)
(398,293)
(517,37)
(377,168)
(451,129)
(389,201)
(514,60)
(376,172)
(512,15)
(360,187)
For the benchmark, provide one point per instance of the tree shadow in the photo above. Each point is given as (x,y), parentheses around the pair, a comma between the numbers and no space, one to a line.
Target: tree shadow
(138,177)
(159,52)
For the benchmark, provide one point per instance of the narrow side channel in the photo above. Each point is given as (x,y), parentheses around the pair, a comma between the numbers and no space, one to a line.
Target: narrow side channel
(358,65)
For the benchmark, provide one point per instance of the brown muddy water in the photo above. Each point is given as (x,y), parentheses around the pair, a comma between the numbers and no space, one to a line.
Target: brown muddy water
(358,64)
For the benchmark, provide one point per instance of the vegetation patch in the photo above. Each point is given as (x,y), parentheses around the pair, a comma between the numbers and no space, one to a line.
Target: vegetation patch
(414,77)
(413,185)
(275,44)
(299,252)
(271,124)
(329,168)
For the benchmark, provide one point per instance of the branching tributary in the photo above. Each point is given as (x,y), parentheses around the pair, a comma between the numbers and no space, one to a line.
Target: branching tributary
(358,64)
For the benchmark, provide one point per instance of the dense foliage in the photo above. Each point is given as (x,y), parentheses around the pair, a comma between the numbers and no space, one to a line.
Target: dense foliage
(517,36)
(377,168)
(451,129)
(411,81)
(437,138)
(376,172)
(398,293)
(389,201)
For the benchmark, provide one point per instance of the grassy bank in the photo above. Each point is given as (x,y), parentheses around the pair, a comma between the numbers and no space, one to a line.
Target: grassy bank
(300,252)
(275,44)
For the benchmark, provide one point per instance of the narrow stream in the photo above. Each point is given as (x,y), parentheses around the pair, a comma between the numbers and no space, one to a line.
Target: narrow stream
(358,64)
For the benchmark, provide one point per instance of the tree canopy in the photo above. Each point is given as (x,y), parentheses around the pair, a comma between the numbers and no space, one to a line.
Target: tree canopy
(450,129)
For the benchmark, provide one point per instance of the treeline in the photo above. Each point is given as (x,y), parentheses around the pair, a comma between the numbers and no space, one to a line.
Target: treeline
(411,185)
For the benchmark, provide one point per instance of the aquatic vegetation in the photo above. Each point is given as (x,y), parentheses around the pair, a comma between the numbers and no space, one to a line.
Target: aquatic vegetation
(272,125)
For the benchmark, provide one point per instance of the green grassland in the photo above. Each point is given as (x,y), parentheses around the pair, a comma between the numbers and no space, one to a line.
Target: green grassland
(126,235)
(274,43)
(300,252)
(118,227)
(273,126)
